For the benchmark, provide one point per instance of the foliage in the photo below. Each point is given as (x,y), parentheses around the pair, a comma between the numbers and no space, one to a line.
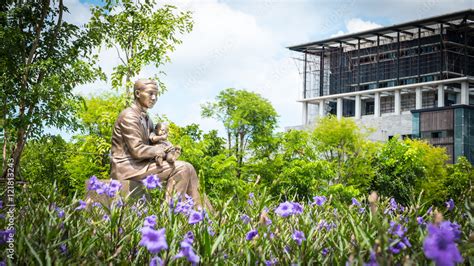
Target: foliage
(141,33)
(43,57)
(248,118)
(97,114)
(334,233)
(89,152)
(207,154)
(343,193)
(398,168)
(406,167)
(456,183)
(44,163)
(341,143)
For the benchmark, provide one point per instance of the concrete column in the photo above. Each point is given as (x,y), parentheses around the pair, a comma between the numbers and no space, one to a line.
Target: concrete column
(440,95)
(377,104)
(418,98)
(321,108)
(339,108)
(305,114)
(398,102)
(357,107)
(464,92)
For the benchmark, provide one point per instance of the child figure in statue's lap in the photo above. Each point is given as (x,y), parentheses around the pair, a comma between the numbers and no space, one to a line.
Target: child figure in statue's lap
(161,138)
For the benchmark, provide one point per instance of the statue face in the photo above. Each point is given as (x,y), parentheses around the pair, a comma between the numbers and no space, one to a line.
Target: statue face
(147,97)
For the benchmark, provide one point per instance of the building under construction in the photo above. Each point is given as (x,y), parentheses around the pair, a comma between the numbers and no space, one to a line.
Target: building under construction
(413,79)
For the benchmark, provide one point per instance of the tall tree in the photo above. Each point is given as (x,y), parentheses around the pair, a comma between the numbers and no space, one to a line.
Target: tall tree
(141,33)
(42,58)
(249,119)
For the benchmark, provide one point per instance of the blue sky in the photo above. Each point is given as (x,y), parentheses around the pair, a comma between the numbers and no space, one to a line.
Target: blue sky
(242,44)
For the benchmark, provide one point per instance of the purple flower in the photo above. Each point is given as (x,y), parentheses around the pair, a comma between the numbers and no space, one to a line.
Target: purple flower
(355,202)
(271,262)
(420,220)
(1,204)
(93,183)
(102,188)
(428,212)
(60,212)
(392,207)
(195,217)
(187,252)
(361,210)
(189,237)
(245,218)
(297,208)
(398,245)
(5,236)
(285,209)
(150,221)
(319,200)
(454,227)
(106,218)
(63,248)
(96,204)
(298,236)
(152,181)
(113,188)
(397,229)
(184,207)
(450,204)
(153,240)
(373,260)
(325,252)
(251,195)
(210,230)
(156,261)
(399,241)
(251,234)
(439,245)
(119,203)
(82,205)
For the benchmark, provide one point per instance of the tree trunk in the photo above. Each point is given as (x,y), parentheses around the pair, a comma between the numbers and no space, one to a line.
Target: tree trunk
(229,144)
(236,149)
(16,154)
(241,152)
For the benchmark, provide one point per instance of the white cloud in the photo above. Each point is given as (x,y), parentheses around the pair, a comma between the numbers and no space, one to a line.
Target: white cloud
(357,25)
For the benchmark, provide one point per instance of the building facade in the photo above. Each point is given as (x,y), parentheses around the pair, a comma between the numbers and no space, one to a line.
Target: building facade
(392,78)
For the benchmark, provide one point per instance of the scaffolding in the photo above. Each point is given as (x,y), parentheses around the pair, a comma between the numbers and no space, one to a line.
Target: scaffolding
(430,49)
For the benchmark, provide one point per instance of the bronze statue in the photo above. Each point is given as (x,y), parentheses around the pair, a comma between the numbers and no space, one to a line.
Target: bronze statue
(161,138)
(133,155)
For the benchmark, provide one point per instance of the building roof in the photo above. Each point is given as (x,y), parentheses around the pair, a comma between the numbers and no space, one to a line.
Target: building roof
(369,36)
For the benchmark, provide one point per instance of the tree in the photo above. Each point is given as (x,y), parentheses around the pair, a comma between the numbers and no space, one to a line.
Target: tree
(42,59)
(341,142)
(248,118)
(140,33)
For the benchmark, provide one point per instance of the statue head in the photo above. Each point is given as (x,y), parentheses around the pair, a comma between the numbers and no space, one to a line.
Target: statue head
(161,128)
(145,92)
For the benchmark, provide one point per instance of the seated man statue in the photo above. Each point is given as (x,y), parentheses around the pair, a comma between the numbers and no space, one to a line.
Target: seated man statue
(133,155)
(161,138)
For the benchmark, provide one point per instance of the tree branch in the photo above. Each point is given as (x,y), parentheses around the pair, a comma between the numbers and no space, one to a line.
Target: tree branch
(39,27)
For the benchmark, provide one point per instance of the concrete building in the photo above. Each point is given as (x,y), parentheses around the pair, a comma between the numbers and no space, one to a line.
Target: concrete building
(414,79)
